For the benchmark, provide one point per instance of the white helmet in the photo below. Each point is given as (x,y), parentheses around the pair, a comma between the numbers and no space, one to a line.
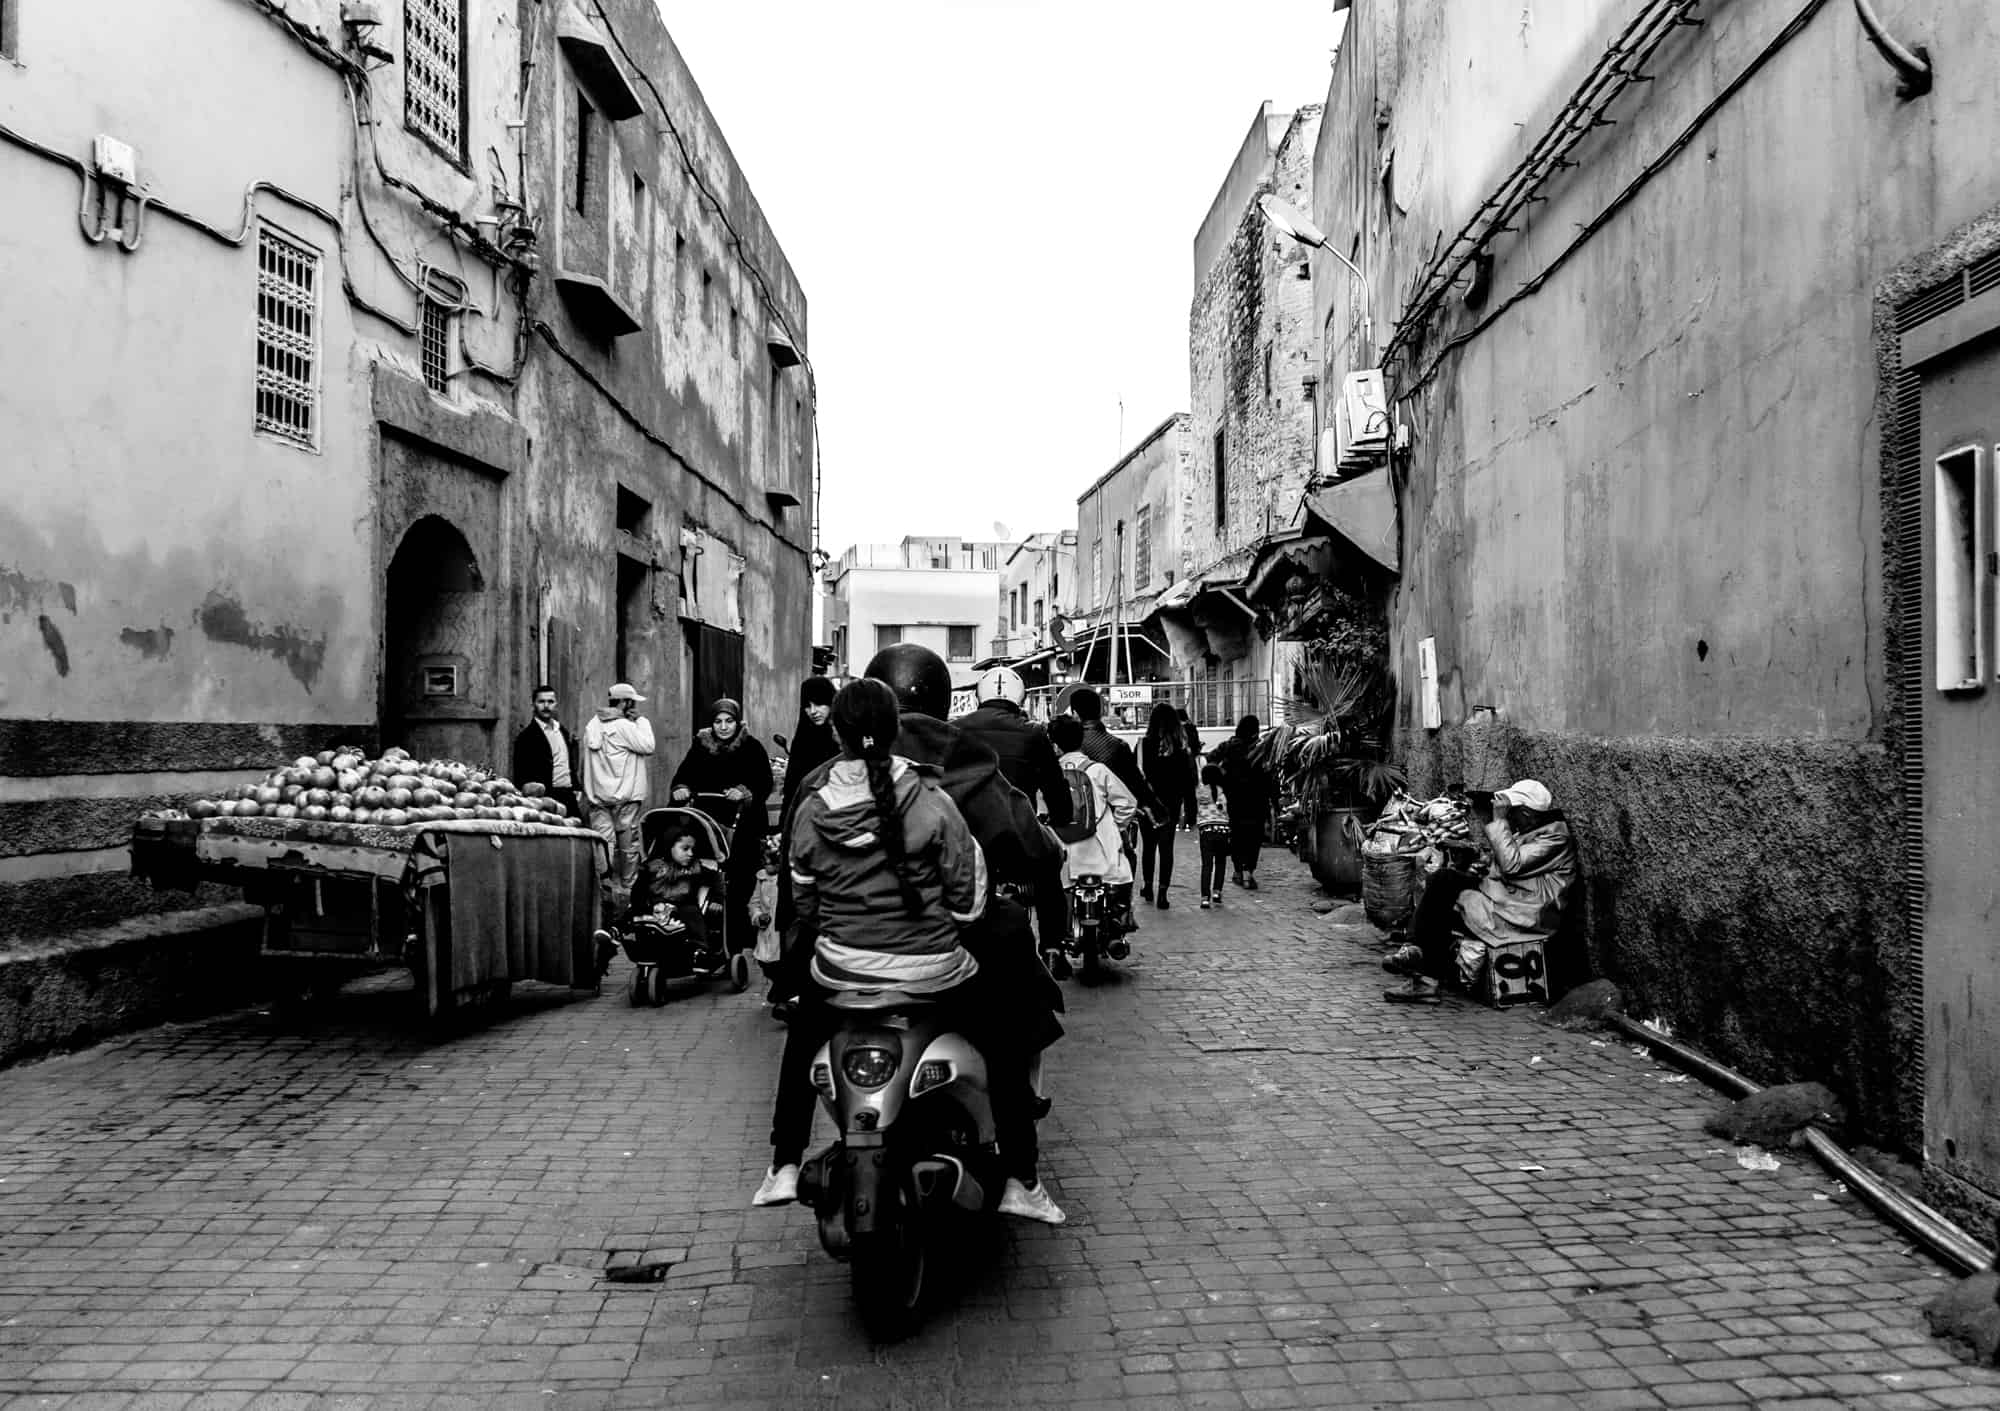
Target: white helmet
(1002,683)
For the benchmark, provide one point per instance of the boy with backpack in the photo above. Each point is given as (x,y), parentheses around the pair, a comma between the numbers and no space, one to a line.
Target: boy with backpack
(1101,807)
(1211,820)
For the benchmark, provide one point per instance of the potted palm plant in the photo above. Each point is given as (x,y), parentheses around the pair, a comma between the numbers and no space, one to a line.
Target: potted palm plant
(1333,765)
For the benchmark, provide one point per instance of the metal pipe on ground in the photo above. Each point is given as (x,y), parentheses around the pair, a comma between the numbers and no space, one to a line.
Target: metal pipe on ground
(1916,1219)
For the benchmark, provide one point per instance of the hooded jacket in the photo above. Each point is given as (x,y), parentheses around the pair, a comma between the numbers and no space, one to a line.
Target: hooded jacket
(1026,755)
(1102,854)
(1522,896)
(846,890)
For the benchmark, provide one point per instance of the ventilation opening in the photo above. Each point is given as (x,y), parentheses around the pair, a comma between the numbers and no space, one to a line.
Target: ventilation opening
(633,512)
(1934,302)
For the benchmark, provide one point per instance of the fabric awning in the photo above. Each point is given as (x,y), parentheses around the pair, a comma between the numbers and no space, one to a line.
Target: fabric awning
(1363,512)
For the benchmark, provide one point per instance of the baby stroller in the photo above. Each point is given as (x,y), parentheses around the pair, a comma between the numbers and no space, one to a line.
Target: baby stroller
(665,950)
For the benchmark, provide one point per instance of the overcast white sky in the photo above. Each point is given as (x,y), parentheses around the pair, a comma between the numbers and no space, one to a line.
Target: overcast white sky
(992,206)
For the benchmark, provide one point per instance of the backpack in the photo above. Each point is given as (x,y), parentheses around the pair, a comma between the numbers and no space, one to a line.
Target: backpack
(1083,806)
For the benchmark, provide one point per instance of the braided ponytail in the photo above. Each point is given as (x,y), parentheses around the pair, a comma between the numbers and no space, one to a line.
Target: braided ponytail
(866,719)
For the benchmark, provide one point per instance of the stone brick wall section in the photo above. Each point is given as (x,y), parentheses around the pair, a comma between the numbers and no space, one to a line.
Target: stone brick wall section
(1251,344)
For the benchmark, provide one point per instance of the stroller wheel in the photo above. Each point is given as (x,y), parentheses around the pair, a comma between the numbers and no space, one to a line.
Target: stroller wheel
(659,986)
(639,985)
(739,972)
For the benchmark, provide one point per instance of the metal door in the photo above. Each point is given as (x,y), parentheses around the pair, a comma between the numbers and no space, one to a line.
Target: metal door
(1961,747)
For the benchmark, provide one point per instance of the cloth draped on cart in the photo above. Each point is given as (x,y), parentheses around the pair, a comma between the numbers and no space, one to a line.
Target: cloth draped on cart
(522,910)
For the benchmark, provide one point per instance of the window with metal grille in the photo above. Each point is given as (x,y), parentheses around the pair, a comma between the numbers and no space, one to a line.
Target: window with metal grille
(434,71)
(1142,549)
(287,338)
(437,345)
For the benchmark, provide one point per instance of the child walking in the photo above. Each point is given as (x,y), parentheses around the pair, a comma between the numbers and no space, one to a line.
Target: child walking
(1211,821)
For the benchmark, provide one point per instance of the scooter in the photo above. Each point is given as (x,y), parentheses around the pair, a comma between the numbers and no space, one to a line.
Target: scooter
(916,1153)
(1095,933)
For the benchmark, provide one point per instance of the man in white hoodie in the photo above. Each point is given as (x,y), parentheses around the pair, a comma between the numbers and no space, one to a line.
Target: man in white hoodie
(616,742)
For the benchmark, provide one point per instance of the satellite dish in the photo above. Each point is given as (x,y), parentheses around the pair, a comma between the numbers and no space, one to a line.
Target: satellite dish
(1001,531)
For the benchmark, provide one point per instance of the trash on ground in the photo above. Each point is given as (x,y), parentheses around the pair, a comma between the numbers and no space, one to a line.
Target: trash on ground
(1755,1158)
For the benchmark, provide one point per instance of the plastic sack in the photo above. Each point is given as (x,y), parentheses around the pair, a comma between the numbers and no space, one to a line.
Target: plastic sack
(1470,958)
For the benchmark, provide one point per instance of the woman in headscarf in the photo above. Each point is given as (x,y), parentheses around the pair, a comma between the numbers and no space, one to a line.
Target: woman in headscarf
(728,760)
(1246,783)
(886,873)
(813,743)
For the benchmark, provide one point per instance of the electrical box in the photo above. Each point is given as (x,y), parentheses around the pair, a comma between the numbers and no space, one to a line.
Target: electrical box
(115,161)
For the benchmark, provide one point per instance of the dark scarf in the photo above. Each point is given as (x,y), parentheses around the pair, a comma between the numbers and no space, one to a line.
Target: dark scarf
(706,737)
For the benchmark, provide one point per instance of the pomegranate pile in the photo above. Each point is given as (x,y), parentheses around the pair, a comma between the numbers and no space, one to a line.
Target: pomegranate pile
(396,790)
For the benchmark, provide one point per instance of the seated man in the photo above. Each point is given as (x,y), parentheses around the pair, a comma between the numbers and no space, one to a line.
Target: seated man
(1521,897)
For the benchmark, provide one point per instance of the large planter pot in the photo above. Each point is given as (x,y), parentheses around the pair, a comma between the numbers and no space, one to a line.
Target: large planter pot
(1336,852)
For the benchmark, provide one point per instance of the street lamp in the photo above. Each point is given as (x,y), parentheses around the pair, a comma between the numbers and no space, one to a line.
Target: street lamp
(1288,220)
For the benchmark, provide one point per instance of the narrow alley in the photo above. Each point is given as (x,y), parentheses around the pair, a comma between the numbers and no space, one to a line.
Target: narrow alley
(1282,1193)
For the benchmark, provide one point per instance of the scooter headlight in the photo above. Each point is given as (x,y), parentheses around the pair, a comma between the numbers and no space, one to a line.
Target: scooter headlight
(870,1067)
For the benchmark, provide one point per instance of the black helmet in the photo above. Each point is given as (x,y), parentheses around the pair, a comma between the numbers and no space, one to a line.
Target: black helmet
(918,676)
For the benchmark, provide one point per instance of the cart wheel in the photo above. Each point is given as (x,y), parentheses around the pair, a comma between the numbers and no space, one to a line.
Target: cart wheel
(659,986)
(639,986)
(739,972)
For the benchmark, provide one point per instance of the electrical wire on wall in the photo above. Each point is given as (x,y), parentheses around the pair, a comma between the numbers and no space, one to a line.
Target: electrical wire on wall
(1624,198)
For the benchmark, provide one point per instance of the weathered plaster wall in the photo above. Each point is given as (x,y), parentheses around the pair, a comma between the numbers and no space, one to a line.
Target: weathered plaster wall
(1150,474)
(690,412)
(183,600)
(1642,517)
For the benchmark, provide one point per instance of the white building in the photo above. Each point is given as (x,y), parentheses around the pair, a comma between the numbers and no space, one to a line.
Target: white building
(943,593)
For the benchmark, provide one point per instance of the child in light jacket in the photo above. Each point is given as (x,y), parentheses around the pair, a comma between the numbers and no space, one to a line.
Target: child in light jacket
(1211,821)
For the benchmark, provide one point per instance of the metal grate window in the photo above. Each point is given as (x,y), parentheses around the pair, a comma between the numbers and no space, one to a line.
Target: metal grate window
(434,70)
(437,345)
(287,338)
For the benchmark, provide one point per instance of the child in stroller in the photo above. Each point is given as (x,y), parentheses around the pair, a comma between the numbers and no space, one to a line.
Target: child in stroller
(675,929)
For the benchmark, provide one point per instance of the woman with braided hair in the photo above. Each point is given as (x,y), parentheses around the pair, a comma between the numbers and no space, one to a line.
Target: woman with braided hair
(884,875)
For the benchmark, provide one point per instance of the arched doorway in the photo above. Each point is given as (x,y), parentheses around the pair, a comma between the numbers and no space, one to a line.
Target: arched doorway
(438,648)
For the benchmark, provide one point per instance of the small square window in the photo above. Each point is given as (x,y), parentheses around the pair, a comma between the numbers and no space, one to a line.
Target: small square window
(440,680)
(959,643)
(1960,569)
(438,320)
(887,635)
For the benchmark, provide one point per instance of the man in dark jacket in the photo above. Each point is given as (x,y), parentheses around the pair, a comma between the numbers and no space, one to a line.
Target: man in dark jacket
(1030,764)
(546,754)
(1108,750)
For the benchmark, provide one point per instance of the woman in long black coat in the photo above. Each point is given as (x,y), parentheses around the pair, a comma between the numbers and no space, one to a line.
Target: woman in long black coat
(1246,784)
(813,743)
(726,759)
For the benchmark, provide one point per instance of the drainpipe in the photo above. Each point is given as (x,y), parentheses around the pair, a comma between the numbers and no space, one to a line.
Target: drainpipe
(1912,64)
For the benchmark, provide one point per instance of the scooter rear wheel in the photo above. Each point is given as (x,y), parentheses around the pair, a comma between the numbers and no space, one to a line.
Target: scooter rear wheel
(639,986)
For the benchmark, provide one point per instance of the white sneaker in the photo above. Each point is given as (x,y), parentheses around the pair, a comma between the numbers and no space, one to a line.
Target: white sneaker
(781,1187)
(1030,1203)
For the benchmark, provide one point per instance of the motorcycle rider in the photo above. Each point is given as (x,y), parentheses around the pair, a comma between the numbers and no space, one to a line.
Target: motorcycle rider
(885,873)
(1028,760)
(1100,854)
(1115,755)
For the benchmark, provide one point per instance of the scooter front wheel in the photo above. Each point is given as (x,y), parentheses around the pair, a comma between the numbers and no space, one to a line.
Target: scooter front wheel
(888,1269)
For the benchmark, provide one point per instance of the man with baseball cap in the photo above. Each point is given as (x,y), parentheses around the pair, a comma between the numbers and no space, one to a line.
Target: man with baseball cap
(616,742)
(1521,897)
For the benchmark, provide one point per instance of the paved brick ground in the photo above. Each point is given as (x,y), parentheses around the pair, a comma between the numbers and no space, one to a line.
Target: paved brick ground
(1283,1193)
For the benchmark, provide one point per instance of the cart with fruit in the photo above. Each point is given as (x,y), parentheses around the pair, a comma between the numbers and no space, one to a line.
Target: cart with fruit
(364,863)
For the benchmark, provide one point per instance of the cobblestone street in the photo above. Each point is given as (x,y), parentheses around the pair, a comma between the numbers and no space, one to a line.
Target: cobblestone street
(1282,1193)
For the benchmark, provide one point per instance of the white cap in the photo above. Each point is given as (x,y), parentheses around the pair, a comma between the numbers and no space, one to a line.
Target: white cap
(623,692)
(1528,793)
